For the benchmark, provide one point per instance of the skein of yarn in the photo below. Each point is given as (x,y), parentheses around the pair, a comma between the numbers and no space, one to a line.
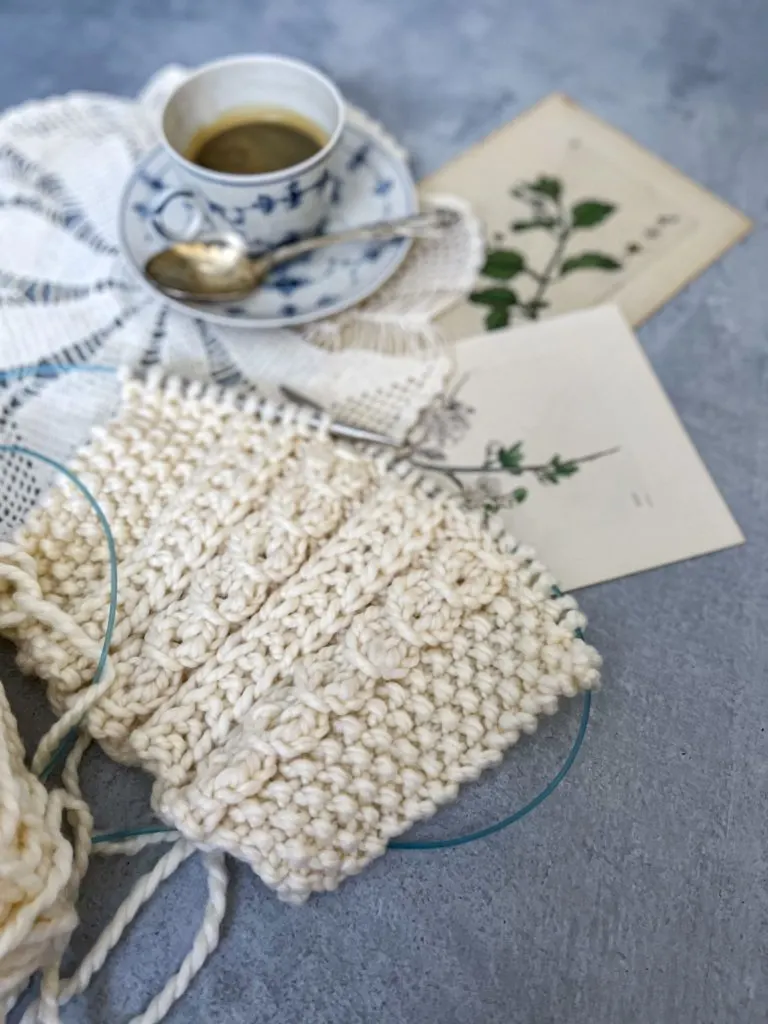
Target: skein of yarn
(39,872)
(40,876)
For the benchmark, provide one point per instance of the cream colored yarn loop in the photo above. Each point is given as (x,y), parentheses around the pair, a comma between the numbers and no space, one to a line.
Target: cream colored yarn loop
(40,870)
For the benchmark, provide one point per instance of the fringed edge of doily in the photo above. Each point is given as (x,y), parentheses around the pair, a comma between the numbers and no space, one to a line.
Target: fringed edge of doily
(416,333)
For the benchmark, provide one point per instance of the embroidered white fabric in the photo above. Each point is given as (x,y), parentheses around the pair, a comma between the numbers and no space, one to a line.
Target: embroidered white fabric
(66,297)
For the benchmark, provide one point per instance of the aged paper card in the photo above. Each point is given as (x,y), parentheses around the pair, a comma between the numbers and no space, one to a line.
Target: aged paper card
(563,429)
(578,214)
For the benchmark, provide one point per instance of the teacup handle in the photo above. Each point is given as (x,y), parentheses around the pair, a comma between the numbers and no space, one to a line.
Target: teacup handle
(178,216)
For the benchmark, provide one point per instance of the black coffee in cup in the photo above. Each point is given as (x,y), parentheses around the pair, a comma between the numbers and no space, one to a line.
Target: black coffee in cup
(257,141)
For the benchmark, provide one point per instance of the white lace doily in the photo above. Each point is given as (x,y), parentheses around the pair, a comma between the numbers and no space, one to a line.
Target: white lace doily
(66,297)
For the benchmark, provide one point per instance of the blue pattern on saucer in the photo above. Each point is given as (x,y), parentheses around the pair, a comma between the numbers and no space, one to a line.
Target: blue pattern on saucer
(368,183)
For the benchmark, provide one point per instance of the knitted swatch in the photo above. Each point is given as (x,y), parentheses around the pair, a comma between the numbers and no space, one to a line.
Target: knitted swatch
(313,649)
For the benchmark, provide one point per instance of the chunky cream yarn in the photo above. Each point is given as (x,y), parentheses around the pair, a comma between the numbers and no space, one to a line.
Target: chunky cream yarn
(313,648)
(38,872)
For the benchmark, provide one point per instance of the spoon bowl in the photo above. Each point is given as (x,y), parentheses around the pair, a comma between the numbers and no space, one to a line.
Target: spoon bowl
(206,270)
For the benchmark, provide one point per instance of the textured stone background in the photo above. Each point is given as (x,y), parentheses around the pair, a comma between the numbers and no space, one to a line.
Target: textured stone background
(638,892)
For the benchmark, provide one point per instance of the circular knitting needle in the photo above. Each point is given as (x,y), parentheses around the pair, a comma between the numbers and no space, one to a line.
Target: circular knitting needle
(350,432)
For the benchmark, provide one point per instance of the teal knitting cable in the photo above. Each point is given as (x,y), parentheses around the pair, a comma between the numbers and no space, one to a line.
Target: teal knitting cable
(122,834)
(16,449)
(537,801)
(66,745)
(48,370)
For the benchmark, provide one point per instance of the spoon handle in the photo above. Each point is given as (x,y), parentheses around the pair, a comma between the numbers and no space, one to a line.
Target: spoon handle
(404,227)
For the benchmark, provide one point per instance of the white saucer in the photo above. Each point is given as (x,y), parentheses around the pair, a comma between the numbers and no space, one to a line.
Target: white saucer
(371,183)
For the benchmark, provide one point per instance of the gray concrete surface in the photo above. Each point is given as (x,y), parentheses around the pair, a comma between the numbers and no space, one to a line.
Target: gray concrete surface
(637,894)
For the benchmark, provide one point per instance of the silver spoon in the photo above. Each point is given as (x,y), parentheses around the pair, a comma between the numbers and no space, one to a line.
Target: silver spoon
(219,269)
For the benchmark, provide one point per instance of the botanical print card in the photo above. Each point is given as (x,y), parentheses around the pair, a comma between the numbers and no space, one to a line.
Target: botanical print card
(578,214)
(563,429)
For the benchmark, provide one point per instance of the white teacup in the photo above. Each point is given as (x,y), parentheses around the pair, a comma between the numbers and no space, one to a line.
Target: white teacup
(265,209)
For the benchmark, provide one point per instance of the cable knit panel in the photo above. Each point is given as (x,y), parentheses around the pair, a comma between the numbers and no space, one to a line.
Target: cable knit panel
(313,648)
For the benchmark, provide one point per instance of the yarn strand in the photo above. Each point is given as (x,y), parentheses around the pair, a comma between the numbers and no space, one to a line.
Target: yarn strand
(54,993)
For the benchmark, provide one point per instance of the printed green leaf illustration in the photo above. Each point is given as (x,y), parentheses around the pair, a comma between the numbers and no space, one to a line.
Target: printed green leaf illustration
(589,261)
(510,458)
(590,213)
(529,225)
(567,468)
(503,264)
(556,470)
(497,317)
(494,297)
(500,300)
(547,212)
(519,494)
(551,187)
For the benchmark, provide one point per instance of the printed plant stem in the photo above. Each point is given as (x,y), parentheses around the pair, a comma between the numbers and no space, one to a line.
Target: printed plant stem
(545,279)
(535,468)
(535,275)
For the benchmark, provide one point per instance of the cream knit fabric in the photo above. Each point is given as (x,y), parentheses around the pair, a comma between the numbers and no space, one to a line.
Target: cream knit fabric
(313,648)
